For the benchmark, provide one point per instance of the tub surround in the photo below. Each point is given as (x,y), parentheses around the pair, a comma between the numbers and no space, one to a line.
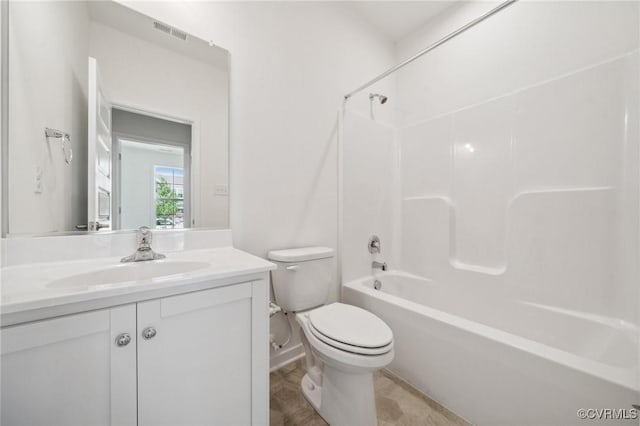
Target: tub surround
(510,206)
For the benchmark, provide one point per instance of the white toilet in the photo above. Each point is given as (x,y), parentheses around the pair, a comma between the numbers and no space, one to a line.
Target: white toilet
(344,344)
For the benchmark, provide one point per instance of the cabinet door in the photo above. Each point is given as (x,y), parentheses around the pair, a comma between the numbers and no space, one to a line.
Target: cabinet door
(70,371)
(196,369)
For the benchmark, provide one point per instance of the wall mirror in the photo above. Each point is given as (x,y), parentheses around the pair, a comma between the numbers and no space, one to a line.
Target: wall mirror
(115,121)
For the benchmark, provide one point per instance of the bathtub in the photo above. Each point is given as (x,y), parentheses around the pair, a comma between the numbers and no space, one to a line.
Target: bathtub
(505,362)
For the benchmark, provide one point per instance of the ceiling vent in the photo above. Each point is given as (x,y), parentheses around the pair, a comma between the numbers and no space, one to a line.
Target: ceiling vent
(162,27)
(179,34)
(170,30)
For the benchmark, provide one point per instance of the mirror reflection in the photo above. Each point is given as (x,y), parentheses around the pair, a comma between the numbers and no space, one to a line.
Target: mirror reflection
(137,119)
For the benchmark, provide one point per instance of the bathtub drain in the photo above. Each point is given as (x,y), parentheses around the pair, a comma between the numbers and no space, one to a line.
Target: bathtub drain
(377,285)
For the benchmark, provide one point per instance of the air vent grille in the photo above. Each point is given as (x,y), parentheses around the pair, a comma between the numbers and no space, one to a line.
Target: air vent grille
(179,34)
(162,27)
(170,30)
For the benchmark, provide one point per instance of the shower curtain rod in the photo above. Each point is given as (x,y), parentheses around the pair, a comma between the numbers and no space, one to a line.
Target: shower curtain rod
(433,46)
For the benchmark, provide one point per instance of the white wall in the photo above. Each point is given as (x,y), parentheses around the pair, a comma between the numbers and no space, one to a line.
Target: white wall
(291,63)
(48,74)
(141,75)
(519,142)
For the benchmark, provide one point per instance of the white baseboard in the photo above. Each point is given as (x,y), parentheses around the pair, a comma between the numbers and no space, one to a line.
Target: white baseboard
(286,356)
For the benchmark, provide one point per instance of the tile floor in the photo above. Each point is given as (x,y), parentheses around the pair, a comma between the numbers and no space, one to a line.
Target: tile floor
(397,403)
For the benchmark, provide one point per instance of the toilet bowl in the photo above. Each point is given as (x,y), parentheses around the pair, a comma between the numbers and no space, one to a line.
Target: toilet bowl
(344,344)
(340,366)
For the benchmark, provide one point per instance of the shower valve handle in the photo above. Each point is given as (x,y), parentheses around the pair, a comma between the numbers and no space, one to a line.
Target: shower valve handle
(374,244)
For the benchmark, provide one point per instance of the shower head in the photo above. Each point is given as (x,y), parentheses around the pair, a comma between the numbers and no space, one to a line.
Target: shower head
(381,98)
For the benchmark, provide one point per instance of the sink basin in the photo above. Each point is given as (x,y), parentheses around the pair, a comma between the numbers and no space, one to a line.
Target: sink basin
(127,272)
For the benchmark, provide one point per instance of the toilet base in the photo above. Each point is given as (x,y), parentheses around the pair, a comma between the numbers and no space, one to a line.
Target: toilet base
(312,392)
(341,392)
(347,401)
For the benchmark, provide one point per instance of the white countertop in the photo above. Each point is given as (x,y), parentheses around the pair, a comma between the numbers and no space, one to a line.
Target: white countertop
(27,293)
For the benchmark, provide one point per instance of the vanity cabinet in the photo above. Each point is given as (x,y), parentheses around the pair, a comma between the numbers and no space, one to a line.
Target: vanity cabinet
(194,358)
(69,371)
(196,369)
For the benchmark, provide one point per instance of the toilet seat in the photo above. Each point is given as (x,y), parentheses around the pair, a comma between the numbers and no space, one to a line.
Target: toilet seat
(350,329)
(348,359)
(358,350)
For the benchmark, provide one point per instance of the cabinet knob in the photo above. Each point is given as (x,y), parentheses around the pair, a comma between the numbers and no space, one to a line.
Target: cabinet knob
(149,333)
(123,339)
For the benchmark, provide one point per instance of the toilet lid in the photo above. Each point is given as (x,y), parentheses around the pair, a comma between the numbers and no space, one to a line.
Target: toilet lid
(350,326)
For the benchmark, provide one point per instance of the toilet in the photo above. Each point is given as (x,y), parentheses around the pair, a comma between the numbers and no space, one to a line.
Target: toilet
(344,344)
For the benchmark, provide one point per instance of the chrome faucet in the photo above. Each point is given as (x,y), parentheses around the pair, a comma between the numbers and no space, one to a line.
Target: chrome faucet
(144,251)
(379,265)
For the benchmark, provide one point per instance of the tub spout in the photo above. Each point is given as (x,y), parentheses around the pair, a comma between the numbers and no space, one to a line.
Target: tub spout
(379,265)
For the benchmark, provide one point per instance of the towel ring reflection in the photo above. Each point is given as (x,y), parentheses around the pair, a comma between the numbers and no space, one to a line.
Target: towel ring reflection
(66,142)
(66,148)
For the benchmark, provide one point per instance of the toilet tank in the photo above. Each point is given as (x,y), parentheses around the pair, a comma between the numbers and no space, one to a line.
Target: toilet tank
(303,277)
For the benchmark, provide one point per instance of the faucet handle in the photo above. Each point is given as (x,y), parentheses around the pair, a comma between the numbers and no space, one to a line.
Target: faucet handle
(143,236)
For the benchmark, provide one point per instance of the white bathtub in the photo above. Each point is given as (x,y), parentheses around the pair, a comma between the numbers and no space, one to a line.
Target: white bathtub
(504,362)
